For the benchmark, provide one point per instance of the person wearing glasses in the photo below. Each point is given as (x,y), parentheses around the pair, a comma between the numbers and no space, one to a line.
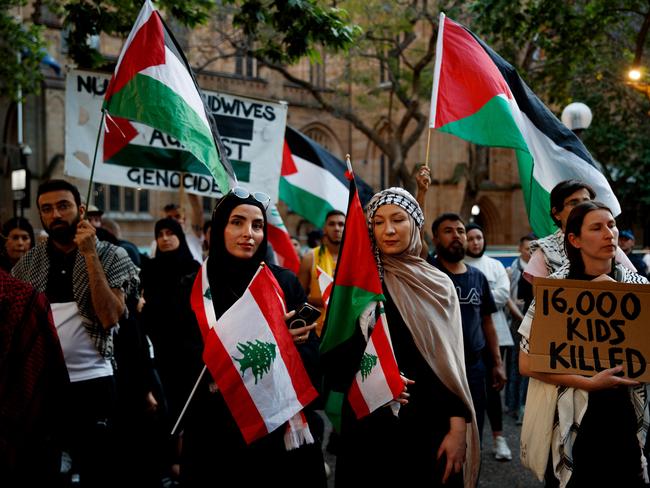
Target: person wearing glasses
(214,450)
(548,253)
(594,428)
(86,282)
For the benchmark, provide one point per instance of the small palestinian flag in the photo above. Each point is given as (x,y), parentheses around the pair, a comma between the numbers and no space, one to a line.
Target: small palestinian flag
(257,368)
(153,84)
(479,97)
(312,180)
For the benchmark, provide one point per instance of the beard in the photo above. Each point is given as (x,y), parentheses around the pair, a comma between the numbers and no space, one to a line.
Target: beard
(475,255)
(454,253)
(61,231)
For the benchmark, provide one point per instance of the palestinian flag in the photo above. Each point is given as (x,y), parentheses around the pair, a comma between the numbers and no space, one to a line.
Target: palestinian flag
(479,97)
(312,180)
(354,297)
(378,380)
(280,240)
(257,368)
(153,84)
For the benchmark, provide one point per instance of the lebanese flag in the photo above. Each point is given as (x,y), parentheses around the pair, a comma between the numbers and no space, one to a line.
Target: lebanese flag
(479,97)
(350,314)
(325,284)
(257,367)
(280,240)
(153,84)
(378,380)
(312,180)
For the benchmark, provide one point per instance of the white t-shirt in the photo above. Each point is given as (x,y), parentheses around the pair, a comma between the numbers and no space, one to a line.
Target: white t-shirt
(81,356)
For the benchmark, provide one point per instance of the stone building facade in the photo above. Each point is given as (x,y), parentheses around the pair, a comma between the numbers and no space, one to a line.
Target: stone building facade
(499,196)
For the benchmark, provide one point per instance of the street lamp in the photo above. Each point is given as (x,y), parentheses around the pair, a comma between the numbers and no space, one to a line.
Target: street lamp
(634,75)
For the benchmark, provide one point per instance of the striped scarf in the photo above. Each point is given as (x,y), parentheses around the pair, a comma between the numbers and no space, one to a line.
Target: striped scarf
(120,273)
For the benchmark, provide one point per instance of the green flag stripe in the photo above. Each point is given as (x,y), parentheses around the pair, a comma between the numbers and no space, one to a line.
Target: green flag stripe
(536,197)
(304,203)
(346,305)
(492,125)
(153,103)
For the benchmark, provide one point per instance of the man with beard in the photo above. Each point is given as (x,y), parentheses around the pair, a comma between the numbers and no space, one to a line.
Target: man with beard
(86,282)
(497,277)
(323,257)
(476,307)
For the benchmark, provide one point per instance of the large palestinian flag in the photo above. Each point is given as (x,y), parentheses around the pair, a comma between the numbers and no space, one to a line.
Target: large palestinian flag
(479,97)
(153,84)
(312,181)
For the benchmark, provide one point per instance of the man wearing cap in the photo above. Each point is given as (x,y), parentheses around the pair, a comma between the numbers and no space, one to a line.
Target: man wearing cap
(626,243)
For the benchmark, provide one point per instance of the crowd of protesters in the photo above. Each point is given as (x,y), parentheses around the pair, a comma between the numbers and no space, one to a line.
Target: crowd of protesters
(101,349)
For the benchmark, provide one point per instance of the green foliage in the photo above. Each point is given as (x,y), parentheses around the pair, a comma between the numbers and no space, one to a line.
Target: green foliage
(21,39)
(283,31)
(258,356)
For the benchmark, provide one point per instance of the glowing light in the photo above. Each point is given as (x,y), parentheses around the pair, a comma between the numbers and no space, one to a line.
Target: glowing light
(634,74)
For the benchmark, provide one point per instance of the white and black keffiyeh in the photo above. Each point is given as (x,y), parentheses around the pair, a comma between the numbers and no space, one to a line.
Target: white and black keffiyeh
(572,403)
(553,248)
(120,273)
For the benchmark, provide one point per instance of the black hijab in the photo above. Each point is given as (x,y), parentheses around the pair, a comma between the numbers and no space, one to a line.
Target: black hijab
(168,265)
(228,275)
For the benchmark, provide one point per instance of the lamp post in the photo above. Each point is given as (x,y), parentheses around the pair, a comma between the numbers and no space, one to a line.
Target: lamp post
(634,76)
(577,116)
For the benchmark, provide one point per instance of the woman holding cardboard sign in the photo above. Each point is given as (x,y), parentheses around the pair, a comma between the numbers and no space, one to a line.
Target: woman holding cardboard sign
(599,423)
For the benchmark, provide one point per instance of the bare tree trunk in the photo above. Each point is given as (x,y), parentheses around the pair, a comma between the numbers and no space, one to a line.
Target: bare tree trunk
(477,171)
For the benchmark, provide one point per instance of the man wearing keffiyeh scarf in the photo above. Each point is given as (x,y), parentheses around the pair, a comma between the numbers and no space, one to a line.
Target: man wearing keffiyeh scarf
(86,282)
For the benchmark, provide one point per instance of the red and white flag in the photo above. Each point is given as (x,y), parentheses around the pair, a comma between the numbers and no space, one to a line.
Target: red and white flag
(325,283)
(253,360)
(280,240)
(378,380)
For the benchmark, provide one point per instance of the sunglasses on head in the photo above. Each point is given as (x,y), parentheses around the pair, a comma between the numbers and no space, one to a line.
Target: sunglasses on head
(243,194)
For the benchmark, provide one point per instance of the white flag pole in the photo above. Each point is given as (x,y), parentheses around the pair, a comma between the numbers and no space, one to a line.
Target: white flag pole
(189,399)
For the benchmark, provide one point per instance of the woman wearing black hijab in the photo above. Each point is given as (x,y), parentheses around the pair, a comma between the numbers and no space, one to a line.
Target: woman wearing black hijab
(214,451)
(168,321)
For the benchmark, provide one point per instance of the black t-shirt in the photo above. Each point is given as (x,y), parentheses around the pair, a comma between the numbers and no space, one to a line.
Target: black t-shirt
(476,302)
(59,280)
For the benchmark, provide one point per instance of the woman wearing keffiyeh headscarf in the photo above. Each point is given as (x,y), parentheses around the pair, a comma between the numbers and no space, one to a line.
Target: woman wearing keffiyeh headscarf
(434,440)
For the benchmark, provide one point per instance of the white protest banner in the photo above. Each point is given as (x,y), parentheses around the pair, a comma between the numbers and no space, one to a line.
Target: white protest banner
(251,130)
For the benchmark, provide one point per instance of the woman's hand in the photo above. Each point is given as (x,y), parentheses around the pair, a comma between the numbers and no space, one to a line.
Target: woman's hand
(423,178)
(299,334)
(403,397)
(151,404)
(453,447)
(604,277)
(607,379)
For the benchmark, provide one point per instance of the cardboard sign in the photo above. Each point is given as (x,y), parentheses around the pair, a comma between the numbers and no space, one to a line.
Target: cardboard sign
(584,327)
(252,132)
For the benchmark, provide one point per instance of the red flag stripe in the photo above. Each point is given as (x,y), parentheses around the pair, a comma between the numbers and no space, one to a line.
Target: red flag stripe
(198,306)
(235,394)
(288,164)
(357,401)
(464,59)
(146,49)
(281,243)
(271,308)
(386,357)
